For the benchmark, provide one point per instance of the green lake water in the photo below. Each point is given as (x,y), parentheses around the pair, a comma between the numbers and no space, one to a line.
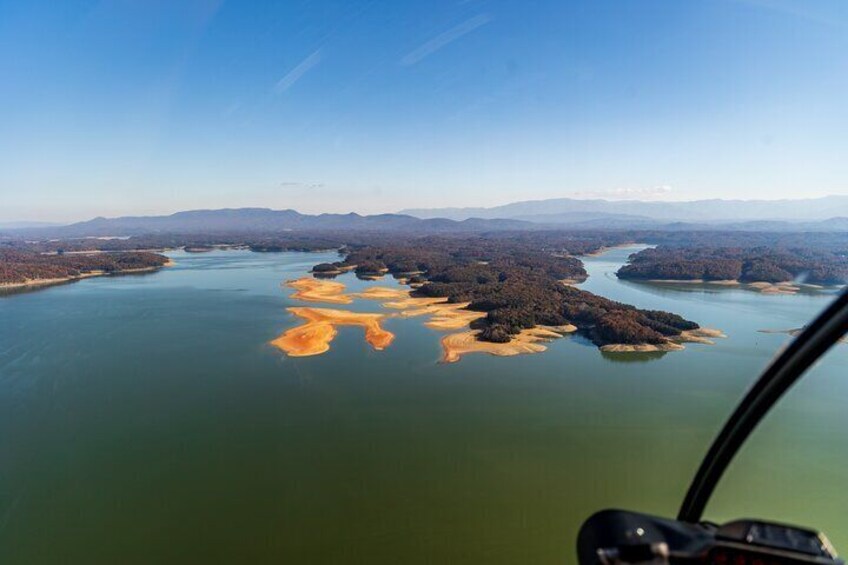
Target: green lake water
(145,419)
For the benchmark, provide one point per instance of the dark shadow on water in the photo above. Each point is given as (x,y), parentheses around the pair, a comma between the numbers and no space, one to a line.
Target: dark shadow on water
(581,339)
(633,357)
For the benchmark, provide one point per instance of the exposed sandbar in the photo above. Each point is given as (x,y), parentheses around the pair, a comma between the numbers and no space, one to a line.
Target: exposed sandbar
(775,288)
(724,282)
(784,287)
(382,293)
(796,331)
(316,290)
(701,335)
(455,345)
(314,336)
(443,314)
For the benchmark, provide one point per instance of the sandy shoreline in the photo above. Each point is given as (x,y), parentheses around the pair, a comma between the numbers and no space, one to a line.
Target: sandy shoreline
(455,345)
(32,283)
(674,343)
(784,287)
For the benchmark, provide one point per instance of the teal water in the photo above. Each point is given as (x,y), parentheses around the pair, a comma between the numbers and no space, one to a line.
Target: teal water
(144,419)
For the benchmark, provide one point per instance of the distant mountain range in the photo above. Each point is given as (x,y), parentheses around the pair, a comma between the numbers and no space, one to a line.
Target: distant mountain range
(264,220)
(656,214)
(819,214)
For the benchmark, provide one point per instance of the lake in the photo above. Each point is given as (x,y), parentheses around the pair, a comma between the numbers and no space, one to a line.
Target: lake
(145,419)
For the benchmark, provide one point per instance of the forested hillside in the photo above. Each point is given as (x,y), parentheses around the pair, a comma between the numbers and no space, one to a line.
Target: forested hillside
(23,266)
(814,266)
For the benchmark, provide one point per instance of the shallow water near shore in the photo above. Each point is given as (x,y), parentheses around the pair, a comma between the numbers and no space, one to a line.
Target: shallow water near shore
(147,419)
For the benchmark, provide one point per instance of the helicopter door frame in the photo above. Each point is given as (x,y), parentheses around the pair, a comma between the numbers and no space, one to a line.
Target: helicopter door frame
(781,374)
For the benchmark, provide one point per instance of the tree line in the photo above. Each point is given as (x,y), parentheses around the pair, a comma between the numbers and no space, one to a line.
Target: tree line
(744,264)
(22,266)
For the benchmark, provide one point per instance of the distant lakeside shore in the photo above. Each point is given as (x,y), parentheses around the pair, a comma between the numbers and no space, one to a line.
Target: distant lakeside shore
(764,287)
(33,283)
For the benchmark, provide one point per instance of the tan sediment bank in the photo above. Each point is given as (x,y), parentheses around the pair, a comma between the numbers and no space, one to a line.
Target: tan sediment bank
(455,345)
(775,288)
(701,335)
(641,347)
(317,290)
(44,282)
(728,282)
(443,315)
(785,287)
(796,331)
(62,280)
(314,336)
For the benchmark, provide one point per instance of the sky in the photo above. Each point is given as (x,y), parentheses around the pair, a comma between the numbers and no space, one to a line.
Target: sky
(147,107)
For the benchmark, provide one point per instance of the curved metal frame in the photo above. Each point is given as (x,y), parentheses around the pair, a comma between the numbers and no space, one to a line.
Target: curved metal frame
(783,372)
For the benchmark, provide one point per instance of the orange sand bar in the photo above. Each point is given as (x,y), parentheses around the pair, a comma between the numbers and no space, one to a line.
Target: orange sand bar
(314,336)
(317,290)
(456,345)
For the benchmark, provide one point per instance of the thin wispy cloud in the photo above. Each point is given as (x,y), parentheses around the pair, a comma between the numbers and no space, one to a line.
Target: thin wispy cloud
(297,73)
(444,39)
(298,184)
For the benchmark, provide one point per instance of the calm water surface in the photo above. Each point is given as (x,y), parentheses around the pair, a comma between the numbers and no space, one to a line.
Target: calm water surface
(144,419)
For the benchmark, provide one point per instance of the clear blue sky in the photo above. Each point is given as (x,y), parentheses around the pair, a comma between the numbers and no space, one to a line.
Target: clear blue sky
(118,107)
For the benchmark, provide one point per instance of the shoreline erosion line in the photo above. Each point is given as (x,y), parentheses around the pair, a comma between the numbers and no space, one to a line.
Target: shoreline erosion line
(763,287)
(30,283)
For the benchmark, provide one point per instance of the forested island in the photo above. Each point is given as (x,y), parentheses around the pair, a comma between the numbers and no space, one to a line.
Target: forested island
(518,287)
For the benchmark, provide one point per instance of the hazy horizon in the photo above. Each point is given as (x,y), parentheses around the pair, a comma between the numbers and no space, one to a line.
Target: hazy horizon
(119,109)
(26,223)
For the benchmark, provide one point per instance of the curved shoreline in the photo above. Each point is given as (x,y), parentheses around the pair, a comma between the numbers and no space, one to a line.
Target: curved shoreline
(764,287)
(35,283)
(675,343)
